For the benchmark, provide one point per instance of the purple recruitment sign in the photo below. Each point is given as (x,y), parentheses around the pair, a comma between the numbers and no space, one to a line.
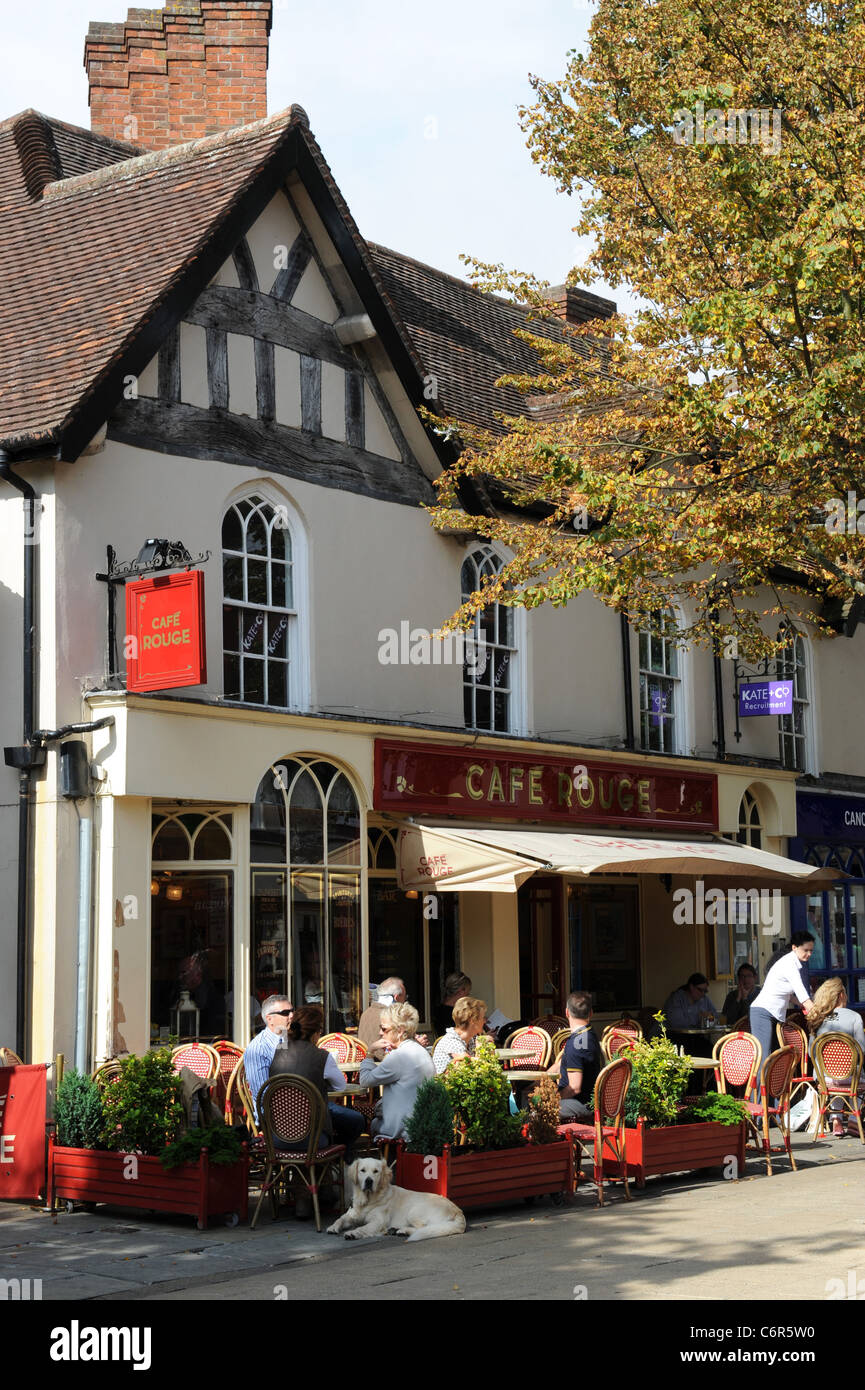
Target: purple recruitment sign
(766,697)
(659,706)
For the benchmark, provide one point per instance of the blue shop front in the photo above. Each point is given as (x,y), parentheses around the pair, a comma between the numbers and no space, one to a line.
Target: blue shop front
(831,834)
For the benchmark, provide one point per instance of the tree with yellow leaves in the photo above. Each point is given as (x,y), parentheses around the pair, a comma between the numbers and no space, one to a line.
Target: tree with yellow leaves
(711,447)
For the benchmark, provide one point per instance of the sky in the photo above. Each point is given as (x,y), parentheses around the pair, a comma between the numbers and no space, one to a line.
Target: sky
(414,106)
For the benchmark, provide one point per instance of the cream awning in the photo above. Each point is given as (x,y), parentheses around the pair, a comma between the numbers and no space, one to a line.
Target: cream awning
(491,860)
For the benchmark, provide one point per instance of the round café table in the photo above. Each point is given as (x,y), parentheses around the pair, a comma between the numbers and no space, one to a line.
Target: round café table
(507,1054)
(348,1067)
(350,1089)
(528,1075)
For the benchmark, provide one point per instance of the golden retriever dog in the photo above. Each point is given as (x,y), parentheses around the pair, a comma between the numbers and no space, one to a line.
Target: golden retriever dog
(377,1208)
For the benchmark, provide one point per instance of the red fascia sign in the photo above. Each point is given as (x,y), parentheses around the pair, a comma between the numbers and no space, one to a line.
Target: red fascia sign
(22,1132)
(165,632)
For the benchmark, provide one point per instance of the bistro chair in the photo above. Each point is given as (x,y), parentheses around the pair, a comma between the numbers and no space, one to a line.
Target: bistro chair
(553,1023)
(557,1043)
(198,1057)
(292,1110)
(229,1055)
(608,1131)
(743,1025)
(838,1064)
(740,1055)
(619,1038)
(106,1072)
(358,1050)
(8,1058)
(776,1079)
(791,1035)
(535,1045)
(339,1045)
(238,1097)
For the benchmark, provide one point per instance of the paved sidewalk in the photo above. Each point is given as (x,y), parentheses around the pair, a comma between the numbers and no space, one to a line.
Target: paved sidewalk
(685,1237)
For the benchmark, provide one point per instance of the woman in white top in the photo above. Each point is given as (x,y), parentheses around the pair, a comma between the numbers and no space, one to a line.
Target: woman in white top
(469,1016)
(830,1014)
(783,985)
(400,1073)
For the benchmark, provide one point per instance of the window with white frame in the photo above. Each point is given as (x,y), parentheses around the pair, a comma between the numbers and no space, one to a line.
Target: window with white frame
(259,617)
(490,663)
(661,709)
(792,665)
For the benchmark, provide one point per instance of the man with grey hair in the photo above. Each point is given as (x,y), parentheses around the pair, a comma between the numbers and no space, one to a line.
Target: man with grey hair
(390,991)
(277,1013)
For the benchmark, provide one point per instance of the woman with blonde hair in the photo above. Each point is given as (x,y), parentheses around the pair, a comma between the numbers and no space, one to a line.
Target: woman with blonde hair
(469,1016)
(829,1014)
(400,1073)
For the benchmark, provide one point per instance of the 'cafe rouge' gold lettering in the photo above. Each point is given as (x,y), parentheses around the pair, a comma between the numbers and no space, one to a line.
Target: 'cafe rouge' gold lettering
(430,779)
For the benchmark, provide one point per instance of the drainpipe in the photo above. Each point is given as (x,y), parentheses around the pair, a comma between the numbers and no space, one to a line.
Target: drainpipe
(27,757)
(627,680)
(717,671)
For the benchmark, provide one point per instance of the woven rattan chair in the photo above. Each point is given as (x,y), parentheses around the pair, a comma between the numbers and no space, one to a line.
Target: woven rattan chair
(776,1079)
(8,1058)
(557,1043)
(238,1087)
(292,1110)
(553,1023)
(608,1131)
(616,1039)
(740,1055)
(358,1050)
(791,1035)
(838,1064)
(229,1055)
(339,1045)
(535,1046)
(198,1057)
(106,1072)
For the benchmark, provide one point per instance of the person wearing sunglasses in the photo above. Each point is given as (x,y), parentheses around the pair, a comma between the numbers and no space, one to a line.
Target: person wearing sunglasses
(277,1012)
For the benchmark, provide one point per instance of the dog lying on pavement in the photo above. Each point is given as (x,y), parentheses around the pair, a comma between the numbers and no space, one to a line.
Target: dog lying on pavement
(378,1207)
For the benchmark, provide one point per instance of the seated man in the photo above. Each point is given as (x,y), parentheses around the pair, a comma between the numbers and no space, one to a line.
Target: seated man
(390,991)
(581,1061)
(277,1012)
(688,1006)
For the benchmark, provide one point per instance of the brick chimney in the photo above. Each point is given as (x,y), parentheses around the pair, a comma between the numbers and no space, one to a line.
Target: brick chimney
(578,306)
(167,76)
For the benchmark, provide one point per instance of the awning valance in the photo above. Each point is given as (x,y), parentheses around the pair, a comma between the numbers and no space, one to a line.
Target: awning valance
(492,860)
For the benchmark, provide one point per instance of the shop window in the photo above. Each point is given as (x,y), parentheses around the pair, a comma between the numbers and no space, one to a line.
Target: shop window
(305,826)
(259,617)
(191,928)
(661,711)
(490,674)
(413,936)
(792,665)
(750,825)
(604,944)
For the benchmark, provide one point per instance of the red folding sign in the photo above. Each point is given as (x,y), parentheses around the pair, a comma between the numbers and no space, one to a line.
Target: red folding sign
(165,632)
(22,1132)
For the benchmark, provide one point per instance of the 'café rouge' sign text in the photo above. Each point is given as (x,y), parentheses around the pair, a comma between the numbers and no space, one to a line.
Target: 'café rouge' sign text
(412,778)
(165,632)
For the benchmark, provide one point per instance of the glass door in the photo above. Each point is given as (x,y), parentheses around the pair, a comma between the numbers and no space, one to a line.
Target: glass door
(540,947)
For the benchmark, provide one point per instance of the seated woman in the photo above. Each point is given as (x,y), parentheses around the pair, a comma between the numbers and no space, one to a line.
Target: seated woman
(469,1016)
(400,1073)
(740,999)
(300,1055)
(829,1014)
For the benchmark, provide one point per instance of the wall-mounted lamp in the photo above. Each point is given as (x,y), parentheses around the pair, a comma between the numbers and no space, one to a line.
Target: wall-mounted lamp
(412,893)
(154,888)
(174,892)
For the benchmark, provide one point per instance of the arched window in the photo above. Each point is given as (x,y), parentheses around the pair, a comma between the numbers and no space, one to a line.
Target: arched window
(490,675)
(260,642)
(306,866)
(792,665)
(750,825)
(661,696)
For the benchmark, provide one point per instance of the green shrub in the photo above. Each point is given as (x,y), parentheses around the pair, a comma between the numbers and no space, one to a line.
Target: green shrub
(78,1112)
(480,1096)
(658,1081)
(431,1124)
(724,1110)
(142,1109)
(224,1145)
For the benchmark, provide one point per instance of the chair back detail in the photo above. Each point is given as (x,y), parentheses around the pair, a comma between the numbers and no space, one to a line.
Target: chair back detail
(358,1050)
(557,1042)
(339,1045)
(292,1110)
(615,1042)
(200,1058)
(229,1055)
(611,1089)
(553,1023)
(837,1056)
(239,1083)
(106,1071)
(790,1035)
(740,1055)
(777,1074)
(534,1045)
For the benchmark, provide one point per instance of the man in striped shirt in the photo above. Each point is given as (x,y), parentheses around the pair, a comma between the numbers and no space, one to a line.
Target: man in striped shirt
(277,1013)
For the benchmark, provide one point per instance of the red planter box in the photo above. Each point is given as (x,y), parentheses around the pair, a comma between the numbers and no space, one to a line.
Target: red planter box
(481,1179)
(678,1149)
(195,1189)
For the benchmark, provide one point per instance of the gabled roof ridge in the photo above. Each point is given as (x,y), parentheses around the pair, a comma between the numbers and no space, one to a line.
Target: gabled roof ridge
(95,138)
(454,279)
(175,154)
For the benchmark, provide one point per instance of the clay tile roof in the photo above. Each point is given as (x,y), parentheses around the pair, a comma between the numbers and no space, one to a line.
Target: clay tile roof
(467,339)
(90,259)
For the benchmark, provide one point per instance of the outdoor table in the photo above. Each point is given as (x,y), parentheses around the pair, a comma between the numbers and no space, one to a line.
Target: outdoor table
(709,1028)
(507,1054)
(350,1089)
(525,1075)
(348,1067)
(705,1063)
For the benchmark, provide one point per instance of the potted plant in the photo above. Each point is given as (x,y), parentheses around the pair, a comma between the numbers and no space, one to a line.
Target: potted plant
(133,1154)
(465,1145)
(662,1133)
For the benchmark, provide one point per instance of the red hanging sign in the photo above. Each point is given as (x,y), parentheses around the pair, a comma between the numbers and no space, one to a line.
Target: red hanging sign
(22,1132)
(165,644)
